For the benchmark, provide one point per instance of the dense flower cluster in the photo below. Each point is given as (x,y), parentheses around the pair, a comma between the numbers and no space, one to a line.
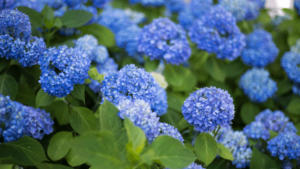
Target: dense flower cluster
(100,3)
(260,49)
(20,120)
(275,121)
(207,108)
(286,164)
(257,85)
(166,129)
(285,145)
(151,3)
(256,130)
(139,112)
(133,83)
(260,3)
(297,6)
(195,9)
(290,62)
(135,17)
(62,68)
(175,5)
(163,39)
(241,9)
(237,143)
(218,33)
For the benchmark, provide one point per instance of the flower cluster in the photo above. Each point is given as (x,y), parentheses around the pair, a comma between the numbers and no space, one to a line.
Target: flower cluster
(290,62)
(296,89)
(135,17)
(241,9)
(275,121)
(151,3)
(297,6)
(20,120)
(257,85)
(256,130)
(217,32)
(100,3)
(139,112)
(133,83)
(260,49)
(62,68)
(260,3)
(237,143)
(286,164)
(163,39)
(285,145)
(207,108)
(166,129)
(72,3)
(175,5)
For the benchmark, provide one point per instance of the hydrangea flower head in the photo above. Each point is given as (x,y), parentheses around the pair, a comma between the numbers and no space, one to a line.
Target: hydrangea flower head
(297,6)
(163,39)
(135,17)
(290,63)
(286,164)
(139,112)
(257,85)
(257,130)
(7,4)
(296,47)
(100,54)
(73,3)
(175,5)
(62,68)
(15,23)
(207,108)
(100,3)
(193,166)
(241,9)
(166,129)
(260,3)
(218,33)
(148,3)
(285,145)
(260,49)
(296,89)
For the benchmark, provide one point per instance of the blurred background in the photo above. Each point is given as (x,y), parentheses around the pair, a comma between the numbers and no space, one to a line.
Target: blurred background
(275,6)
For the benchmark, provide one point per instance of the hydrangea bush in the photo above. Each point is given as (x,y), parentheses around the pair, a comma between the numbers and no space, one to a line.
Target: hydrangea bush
(149,84)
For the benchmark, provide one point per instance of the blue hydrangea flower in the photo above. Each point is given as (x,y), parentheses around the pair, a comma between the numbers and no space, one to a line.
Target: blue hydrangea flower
(62,68)
(260,49)
(285,145)
(193,166)
(20,120)
(100,54)
(237,143)
(133,83)
(296,89)
(135,17)
(175,5)
(218,33)
(26,53)
(196,9)
(277,20)
(241,9)
(290,62)
(100,3)
(286,164)
(297,6)
(260,3)
(73,3)
(36,5)
(207,108)
(7,4)
(163,39)
(296,47)
(15,23)
(109,66)
(148,3)
(256,130)
(114,19)
(139,112)
(275,121)
(166,129)
(61,11)
(257,85)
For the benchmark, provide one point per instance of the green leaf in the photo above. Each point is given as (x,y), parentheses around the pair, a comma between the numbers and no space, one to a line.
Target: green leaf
(6,166)
(59,145)
(78,92)
(288,11)
(189,82)
(93,73)
(248,112)
(57,23)
(48,13)
(171,153)
(174,74)
(262,161)
(8,86)
(218,163)
(284,87)
(298,128)
(75,18)
(51,166)
(175,101)
(109,120)
(25,95)
(61,112)
(82,120)
(26,151)
(182,124)
(294,106)
(235,68)
(252,142)
(43,99)
(104,36)
(35,17)
(206,148)
(3,63)
(215,69)
(150,65)
(171,117)
(273,134)
(74,159)
(98,149)
(136,137)
(224,152)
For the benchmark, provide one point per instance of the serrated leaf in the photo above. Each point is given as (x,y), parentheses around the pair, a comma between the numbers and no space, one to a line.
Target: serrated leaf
(109,120)
(75,18)
(171,153)
(294,106)
(215,69)
(25,95)
(174,74)
(61,111)
(3,63)
(248,112)
(48,13)
(59,145)
(43,99)
(150,65)
(206,148)
(136,137)
(224,152)
(57,23)
(262,161)
(35,17)
(74,159)
(8,86)
(82,120)
(104,36)
(273,134)
(78,92)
